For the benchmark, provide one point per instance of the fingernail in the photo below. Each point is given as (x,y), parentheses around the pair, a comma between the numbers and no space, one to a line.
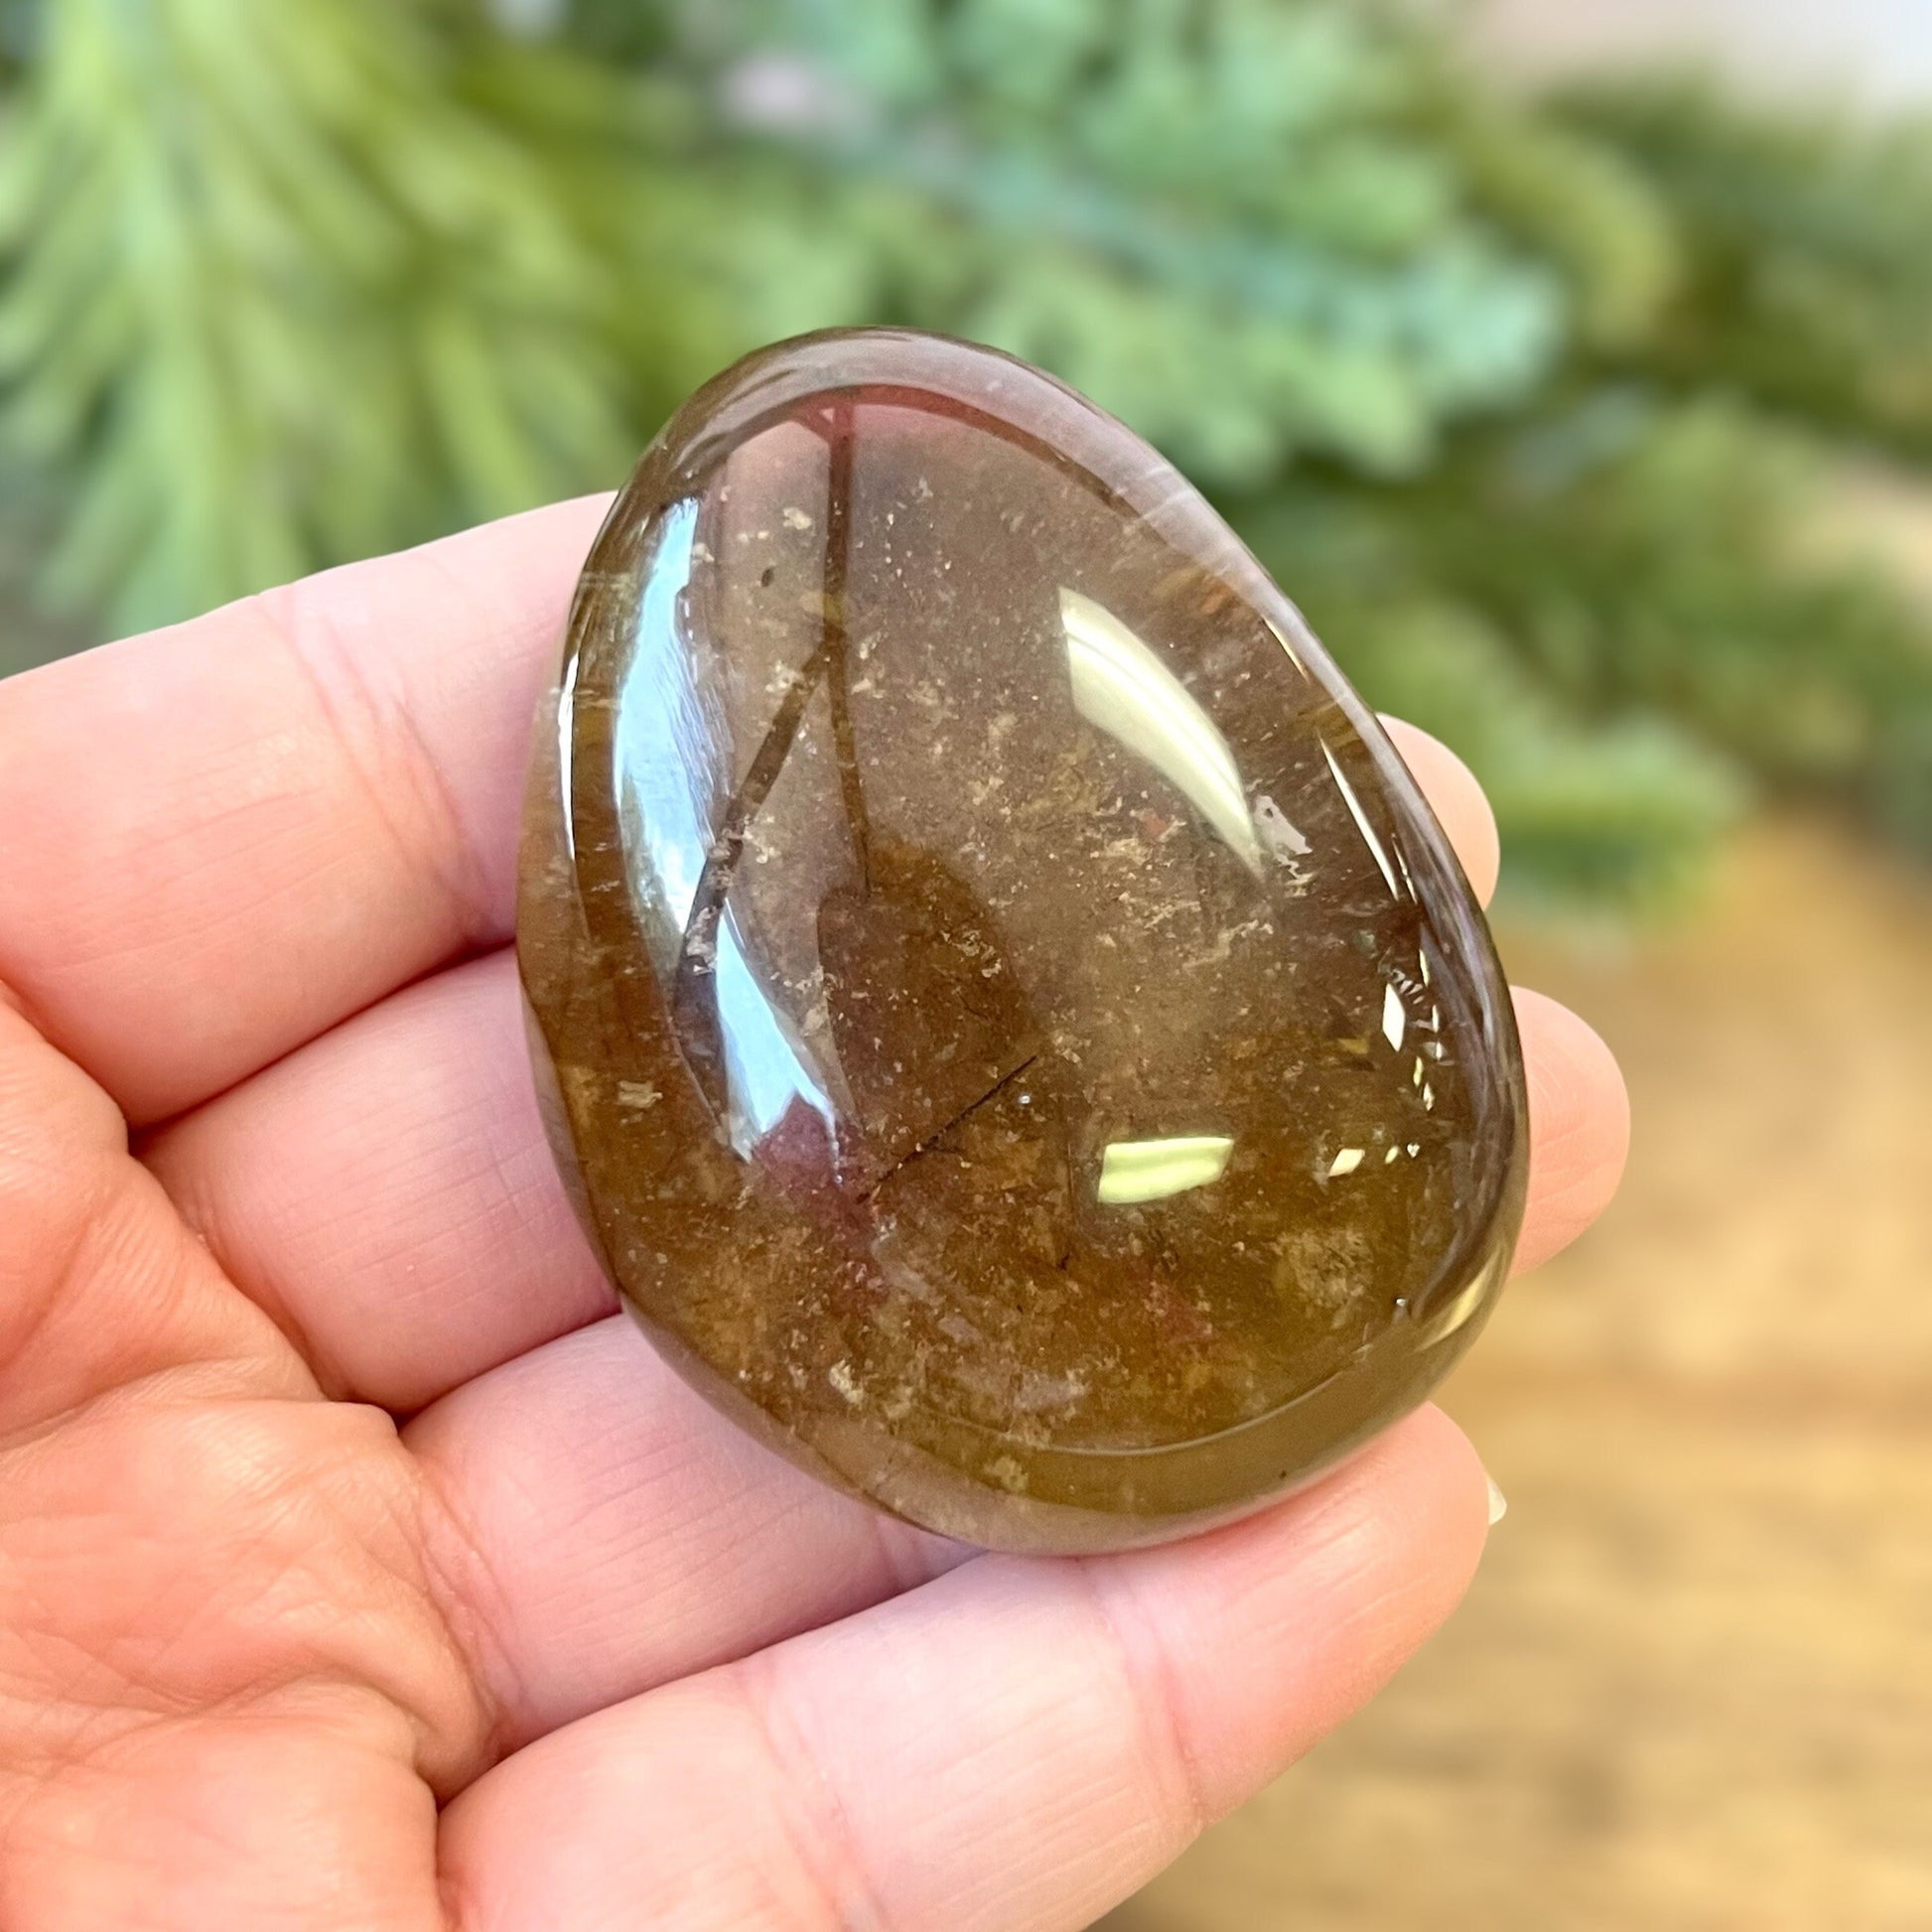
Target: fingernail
(1498,1502)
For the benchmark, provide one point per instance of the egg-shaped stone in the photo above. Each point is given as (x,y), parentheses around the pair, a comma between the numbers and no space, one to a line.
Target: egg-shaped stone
(1017,1036)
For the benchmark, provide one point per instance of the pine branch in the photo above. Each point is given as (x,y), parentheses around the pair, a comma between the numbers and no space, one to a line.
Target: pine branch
(277,297)
(1806,248)
(1610,807)
(1232,226)
(1496,389)
(1638,559)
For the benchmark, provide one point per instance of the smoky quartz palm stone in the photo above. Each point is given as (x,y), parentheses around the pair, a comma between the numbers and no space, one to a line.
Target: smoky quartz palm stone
(1016,1035)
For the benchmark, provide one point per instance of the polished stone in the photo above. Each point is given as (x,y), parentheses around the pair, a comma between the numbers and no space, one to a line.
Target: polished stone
(1017,1036)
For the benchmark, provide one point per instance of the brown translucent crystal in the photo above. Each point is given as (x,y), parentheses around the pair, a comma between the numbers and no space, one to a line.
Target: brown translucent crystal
(1017,1037)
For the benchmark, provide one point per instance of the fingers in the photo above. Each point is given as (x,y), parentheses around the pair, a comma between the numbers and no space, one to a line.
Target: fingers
(214,1642)
(1460,806)
(1580,1111)
(388,1197)
(1016,1745)
(224,838)
(1580,1126)
(303,1820)
(605,1530)
(100,1284)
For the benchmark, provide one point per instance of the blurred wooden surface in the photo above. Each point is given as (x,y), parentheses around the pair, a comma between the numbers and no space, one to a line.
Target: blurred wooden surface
(1692,1689)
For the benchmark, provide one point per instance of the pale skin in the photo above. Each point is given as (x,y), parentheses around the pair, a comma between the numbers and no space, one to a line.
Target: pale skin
(361,1567)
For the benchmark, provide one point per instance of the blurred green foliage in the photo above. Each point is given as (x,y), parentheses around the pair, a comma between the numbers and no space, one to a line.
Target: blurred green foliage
(1527,404)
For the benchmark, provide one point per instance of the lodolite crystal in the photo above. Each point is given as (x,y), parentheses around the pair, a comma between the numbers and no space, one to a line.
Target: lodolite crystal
(1017,1036)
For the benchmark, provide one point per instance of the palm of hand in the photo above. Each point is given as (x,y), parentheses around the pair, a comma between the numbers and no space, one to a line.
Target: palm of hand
(359,1567)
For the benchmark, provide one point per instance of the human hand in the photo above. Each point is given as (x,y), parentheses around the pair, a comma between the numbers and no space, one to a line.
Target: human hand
(361,1566)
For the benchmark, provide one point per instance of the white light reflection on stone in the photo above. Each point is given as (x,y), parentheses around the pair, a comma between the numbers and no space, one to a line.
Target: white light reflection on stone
(1360,817)
(566,732)
(1394,1020)
(669,775)
(1142,1170)
(1121,686)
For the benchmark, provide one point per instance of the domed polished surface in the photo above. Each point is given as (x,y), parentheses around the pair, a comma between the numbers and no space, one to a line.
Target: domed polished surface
(1017,1037)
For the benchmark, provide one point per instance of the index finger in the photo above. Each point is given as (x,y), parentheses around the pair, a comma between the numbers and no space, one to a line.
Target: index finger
(217,841)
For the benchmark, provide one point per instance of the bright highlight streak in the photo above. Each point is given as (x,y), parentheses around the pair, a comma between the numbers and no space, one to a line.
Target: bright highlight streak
(1360,817)
(1120,685)
(1138,1170)
(1394,1021)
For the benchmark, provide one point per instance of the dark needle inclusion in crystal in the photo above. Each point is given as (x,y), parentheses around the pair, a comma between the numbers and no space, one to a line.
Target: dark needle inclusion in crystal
(1017,1036)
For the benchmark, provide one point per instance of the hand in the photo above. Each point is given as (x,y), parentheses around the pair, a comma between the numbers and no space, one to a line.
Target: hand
(361,1566)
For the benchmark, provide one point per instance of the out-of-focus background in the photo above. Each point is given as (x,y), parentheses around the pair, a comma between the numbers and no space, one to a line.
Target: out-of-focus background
(1572,364)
